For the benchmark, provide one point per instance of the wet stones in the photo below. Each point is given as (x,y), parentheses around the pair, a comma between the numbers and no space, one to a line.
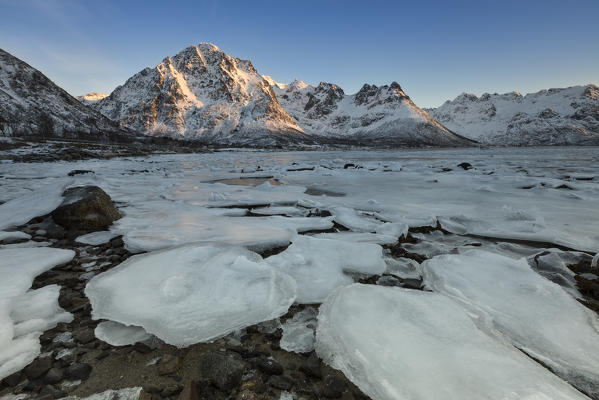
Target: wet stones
(168,365)
(86,209)
(465,165)
(54,375)
(311,367)
(222,369)
(280,382)
(78,371)
(333,387)
(268,366)
(38,367)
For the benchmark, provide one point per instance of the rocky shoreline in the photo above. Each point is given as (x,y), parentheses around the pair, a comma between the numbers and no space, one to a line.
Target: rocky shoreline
(246,365)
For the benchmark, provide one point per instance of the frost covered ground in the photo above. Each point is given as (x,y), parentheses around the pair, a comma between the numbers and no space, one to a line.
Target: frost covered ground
(232,239)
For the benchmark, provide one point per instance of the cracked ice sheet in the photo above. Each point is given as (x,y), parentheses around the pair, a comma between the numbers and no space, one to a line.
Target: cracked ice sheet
(40,201)
(25,314)
(321,265)
(424,346)
(468,202)
(535,314)
(161,224)
(191,294)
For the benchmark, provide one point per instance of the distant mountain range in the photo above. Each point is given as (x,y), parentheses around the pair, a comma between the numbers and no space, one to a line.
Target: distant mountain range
(203,94)
(567,116)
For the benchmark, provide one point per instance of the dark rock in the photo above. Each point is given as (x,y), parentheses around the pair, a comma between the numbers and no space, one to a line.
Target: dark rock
(86,208)
(168,364)
(54,375)
(78,371)
(311,367)
(142,348)
(80,172)
(411,283)
(13,379)
(333,387)
(269,367)
(38,367)
(49,390)
(34,385)
(465,166)
(150,388)
(280,382)
(223,370)
(349,165)
(117,242)
(84,336)
(171,390)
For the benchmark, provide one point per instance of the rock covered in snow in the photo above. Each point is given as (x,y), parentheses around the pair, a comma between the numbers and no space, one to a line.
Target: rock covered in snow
(535,314)
(568,116)
(191,294)
(374,116)
(397,344)
(204,94)
(31,104)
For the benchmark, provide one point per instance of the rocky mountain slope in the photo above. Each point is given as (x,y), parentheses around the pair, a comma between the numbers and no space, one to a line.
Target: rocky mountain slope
(374,116)
(31,104)
(549,117)
(91,98)
(202,93)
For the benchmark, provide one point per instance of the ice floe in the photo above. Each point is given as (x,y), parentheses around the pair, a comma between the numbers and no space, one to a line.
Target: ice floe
(536,315)
(96,238)
(25,314)
(396,343)
(321,265)
(41,201)
(191,294)
(298,331)
(117,334)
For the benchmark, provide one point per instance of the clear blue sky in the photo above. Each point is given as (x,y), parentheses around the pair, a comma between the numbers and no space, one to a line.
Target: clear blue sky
(435,49)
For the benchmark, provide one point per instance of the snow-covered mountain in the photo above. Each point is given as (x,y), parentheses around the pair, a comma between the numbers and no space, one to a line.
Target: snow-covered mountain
(31,104)
(373,116)
(549,117)
(91,98)
(202,93)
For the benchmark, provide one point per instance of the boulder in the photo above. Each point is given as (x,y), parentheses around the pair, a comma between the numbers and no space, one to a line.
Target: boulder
(87,209)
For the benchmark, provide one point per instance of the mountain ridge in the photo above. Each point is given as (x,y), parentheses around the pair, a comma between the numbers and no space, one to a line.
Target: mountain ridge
(32,105)
(558,116)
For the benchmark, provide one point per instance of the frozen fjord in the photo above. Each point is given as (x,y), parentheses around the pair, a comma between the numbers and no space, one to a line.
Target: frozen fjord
(547,195)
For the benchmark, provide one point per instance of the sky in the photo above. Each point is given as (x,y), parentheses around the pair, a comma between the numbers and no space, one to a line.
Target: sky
(434,49)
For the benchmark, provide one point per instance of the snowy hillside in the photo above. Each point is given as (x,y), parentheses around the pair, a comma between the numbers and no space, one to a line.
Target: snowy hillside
(374,115)
(90,98)
(201,93)
(31,104)
(549,117)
